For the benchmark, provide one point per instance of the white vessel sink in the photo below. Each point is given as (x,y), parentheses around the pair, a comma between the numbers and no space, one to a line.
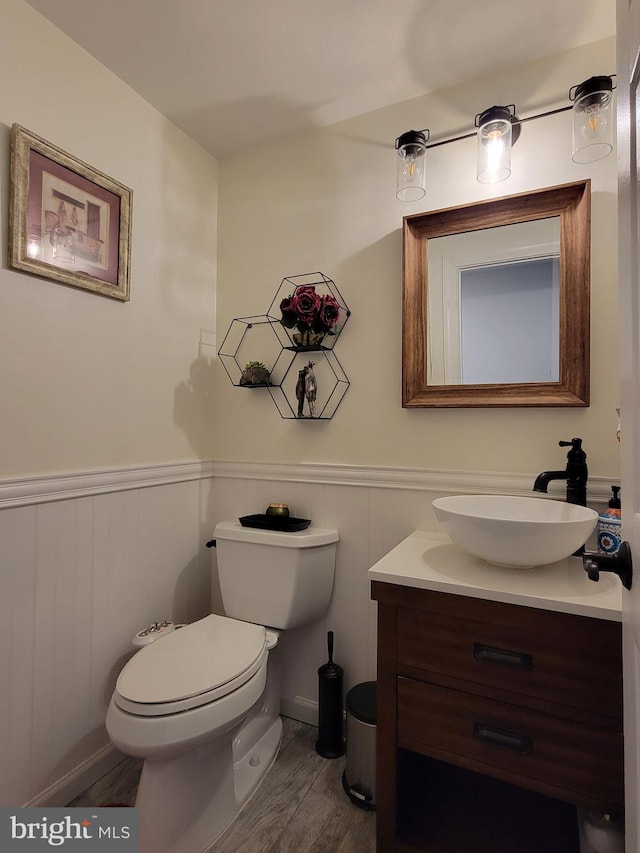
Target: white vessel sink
(513,531)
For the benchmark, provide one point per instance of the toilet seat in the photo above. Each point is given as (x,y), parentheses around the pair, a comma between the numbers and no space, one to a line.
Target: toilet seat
(191,667)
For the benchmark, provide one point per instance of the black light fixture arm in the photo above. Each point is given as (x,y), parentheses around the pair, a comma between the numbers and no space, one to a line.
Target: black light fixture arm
(516,120)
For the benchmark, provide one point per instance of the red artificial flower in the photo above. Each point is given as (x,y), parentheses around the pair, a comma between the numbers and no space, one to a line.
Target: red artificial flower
(305,309)
(329,312)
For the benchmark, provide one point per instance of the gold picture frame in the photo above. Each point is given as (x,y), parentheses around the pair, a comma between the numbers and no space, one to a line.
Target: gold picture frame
(68,222)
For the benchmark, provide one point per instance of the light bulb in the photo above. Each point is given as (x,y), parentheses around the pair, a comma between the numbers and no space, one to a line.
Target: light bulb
(494,153)
(494,145)
(410,167)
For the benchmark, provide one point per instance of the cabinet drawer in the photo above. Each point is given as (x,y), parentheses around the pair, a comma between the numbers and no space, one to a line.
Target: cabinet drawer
(566,660)
(583,762)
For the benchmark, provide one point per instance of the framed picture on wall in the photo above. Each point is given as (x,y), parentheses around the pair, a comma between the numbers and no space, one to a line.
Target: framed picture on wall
(68,222)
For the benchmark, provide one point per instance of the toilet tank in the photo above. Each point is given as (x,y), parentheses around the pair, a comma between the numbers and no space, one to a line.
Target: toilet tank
(277,579)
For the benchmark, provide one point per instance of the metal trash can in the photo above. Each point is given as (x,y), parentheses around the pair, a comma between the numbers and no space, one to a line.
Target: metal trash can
(359,777)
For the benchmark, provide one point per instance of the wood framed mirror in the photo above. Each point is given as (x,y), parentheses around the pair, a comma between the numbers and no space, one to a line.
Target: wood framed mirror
(495,280)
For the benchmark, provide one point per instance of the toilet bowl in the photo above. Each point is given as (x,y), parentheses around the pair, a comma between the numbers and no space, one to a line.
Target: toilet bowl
(201,705)
(181,690)
(180,704)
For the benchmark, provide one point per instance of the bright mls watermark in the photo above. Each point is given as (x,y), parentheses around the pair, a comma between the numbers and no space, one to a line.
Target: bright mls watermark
(69,829)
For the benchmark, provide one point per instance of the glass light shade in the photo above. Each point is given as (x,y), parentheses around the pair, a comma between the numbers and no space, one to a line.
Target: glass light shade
(410,168)
(592,119)
(494,145)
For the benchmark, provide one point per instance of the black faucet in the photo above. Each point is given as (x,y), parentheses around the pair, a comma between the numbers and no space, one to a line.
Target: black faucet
(575,474)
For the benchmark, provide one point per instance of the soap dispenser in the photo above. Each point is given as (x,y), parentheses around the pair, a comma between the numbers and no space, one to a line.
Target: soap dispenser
(609,530)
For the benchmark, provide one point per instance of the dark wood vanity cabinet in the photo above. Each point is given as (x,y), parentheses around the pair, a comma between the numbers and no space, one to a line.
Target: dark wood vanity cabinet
(519,697)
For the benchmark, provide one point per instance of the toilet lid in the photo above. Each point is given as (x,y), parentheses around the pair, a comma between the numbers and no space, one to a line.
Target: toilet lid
(192,665)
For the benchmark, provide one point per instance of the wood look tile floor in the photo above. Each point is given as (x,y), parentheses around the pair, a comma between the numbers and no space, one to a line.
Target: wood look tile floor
(300,806)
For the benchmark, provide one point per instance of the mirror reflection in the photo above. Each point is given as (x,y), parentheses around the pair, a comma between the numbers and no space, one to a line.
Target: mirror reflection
(493,305)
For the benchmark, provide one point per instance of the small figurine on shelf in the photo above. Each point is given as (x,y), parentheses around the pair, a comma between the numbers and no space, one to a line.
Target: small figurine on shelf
(254,373)
(311,389)
(307,388)
(300,389)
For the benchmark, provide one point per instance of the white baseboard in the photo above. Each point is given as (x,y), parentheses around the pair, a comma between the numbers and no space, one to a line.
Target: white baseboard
(298,708)
(72,784)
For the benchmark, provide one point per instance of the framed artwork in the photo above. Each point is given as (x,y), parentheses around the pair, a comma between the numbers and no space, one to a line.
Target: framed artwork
(68,222)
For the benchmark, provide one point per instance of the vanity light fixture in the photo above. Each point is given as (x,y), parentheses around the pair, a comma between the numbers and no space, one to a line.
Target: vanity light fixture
(410,179)
(592,119)
(498,129)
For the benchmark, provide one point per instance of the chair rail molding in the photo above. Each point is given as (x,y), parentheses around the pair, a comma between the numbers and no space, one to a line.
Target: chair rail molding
(440,480)
(55,487)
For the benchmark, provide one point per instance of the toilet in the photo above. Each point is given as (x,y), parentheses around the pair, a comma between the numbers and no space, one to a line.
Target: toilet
(201,704)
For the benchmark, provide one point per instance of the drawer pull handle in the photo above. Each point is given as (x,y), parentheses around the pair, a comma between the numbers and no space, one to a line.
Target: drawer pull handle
(491,654)
(502,737)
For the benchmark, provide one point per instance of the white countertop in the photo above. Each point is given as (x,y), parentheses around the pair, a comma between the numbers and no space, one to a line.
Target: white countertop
(430,560)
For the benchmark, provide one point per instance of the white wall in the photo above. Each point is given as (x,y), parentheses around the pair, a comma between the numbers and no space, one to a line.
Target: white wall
(325,200)
(88,382)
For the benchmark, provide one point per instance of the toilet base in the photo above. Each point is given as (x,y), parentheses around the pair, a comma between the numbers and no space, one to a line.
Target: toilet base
(252,767)
(186,802)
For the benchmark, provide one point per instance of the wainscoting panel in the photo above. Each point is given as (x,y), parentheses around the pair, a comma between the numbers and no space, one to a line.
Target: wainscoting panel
(17,643)
(86,560)
(79,577)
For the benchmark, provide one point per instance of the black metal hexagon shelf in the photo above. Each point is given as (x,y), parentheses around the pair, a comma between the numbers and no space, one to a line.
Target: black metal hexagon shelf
(252,340)
(310,310)
(312,388)
(289,350)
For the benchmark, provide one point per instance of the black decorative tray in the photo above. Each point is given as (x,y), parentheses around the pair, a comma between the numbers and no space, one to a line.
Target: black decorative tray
(285,524)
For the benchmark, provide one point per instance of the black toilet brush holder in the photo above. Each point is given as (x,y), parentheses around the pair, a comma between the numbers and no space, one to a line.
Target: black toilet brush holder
(330,743)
